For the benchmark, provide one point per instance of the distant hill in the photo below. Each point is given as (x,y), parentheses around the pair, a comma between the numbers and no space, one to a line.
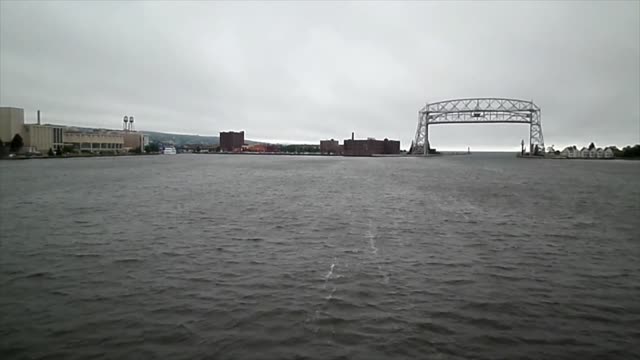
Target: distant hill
(179,139)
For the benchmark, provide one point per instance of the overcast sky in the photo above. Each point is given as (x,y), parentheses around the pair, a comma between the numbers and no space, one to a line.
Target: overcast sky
(302,71)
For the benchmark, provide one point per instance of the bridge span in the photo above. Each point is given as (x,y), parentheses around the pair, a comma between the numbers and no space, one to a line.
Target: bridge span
(478,111)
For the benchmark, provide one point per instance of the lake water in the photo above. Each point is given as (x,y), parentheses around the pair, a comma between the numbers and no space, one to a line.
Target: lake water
(275,257)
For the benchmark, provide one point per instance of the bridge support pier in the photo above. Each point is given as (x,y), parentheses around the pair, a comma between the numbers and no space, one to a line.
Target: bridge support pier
(425,148)
(531,145)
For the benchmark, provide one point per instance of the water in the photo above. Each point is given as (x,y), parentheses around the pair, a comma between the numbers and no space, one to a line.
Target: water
(258,257)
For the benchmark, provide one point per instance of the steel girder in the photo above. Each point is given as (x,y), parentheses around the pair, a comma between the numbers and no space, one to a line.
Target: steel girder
(479,111)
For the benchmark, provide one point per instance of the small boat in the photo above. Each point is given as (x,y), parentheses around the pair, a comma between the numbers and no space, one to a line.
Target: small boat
(169,150)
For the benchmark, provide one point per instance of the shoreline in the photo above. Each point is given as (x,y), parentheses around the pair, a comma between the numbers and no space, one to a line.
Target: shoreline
(596,159)
(26,157)
(401,155)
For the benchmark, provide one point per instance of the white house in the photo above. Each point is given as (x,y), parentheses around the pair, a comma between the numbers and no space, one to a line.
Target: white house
(576,152)
(584,153)
(608,153)
(600,153)
(570,152)
(593,153)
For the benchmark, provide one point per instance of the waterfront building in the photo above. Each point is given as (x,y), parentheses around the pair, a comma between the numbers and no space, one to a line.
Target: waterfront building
(608,153)
(329,147)
(370,147)
(39,138)
(565,152)
(95,141)
(262,148)
(570,152)
(133,140)
(42,138)
(584,153)
(35,137)
(231,141)
(11,123)
(259,148)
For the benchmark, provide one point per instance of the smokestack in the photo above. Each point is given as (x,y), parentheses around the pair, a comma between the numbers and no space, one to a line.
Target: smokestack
(38,117)
(353,135)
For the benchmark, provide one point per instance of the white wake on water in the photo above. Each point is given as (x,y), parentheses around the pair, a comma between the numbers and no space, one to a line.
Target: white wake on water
(328,276)
(372,239)
(331,294)
(371,235)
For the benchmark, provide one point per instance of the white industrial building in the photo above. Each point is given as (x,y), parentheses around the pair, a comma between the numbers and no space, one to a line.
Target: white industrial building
(40,138)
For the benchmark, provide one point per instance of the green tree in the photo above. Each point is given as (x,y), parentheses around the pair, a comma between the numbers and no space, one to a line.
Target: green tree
(59,152)
(152,148)
(16,143)
(50,153)
(629,151)
(592,146)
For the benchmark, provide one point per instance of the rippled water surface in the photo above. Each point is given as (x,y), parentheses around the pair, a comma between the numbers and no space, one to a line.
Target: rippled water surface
(257,257)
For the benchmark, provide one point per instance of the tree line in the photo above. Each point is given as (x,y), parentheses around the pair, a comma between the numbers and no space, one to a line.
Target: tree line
(14,145)
(627,151)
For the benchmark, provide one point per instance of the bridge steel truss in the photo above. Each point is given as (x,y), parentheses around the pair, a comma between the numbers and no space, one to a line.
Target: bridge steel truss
(479,111)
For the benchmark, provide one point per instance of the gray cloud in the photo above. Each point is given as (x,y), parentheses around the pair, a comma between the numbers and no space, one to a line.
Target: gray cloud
(304,71)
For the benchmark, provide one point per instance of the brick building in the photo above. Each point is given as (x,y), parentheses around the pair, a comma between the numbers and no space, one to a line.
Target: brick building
(329,147)
(231,141)
(370,147)
(263,148)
